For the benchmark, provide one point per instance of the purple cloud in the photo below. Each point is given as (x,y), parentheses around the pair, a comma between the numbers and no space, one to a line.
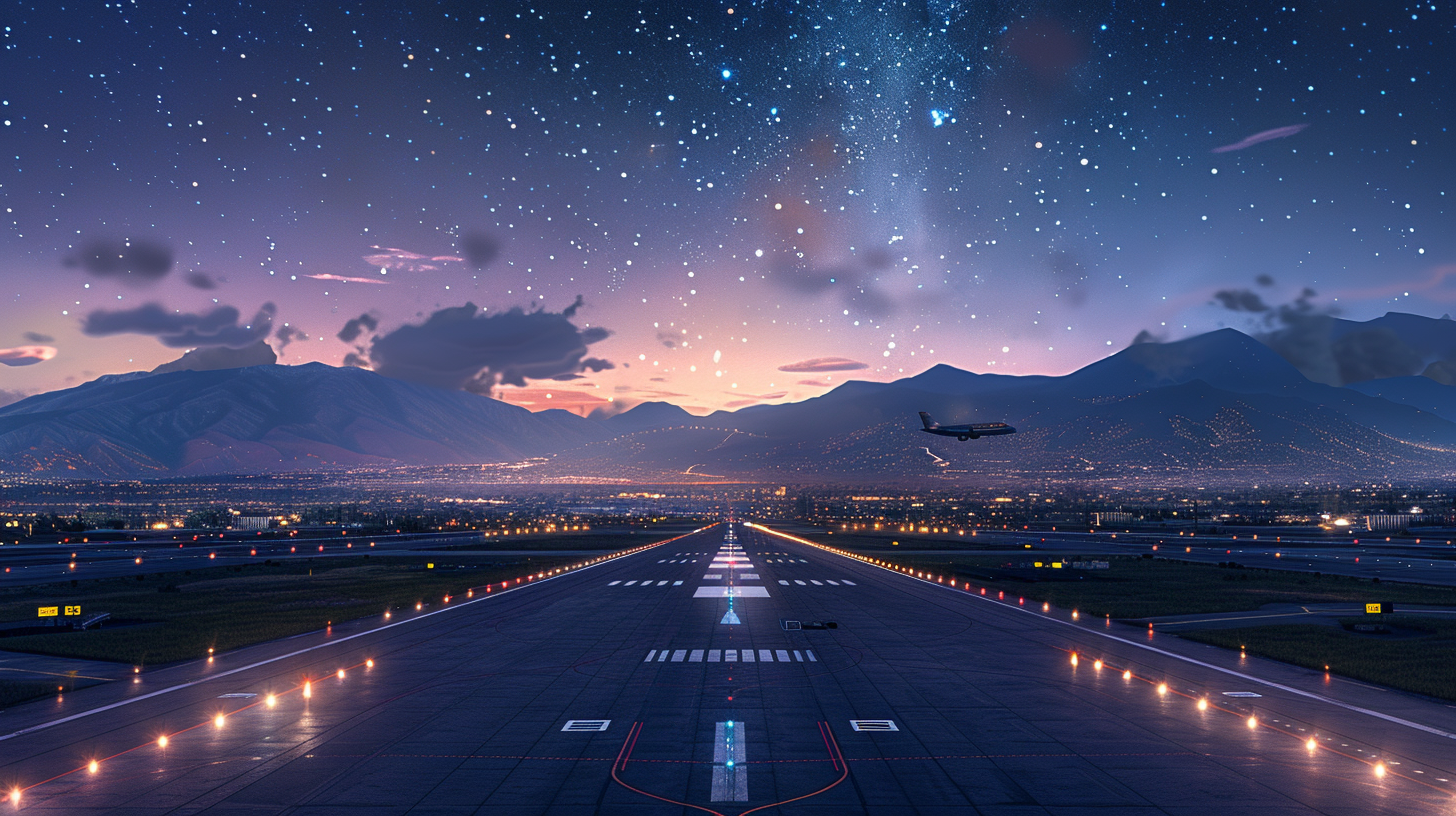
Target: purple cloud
(822,364)
(1262,136)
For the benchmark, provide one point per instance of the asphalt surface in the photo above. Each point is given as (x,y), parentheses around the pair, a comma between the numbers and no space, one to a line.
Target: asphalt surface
(463,708)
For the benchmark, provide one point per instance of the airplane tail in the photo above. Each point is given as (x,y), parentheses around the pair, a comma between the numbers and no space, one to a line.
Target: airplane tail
(929,423)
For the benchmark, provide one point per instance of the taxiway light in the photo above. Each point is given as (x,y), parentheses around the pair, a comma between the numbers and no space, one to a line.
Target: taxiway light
(218,720)
(1074,614)
(162,741)
(419,606)
(93,766)
(1311,745)
(386,616)
(369,664)
(138,561)
(212,555)
(1380,770)
(1162,689)
(1253,721)
(1127,674)
(307,689)
(1202,703)
(1046,607)
(271,700)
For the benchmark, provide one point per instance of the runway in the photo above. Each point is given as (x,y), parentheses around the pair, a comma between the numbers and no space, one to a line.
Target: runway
(625,688)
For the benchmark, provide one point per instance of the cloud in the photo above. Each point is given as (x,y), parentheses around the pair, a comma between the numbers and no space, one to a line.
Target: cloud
(815,383)
(821,364)
(403,260)
(219,327)
(346,279)
(1240,300)
(287,335)
(7,396)
(462,347)
(1261,136)
(37,337)
(132,260)
(26,355)
(357,326)
(1303,333)
(479,249)
(1264,280)
(217,358)
(1374,354)
(1146,336)
(200,280)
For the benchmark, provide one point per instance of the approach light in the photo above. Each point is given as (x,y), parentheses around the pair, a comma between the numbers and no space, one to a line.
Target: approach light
(1074,658)
(271,700)
(93,766)
(1380,770)
(218,720)
(162,741)
(1253,721)
(1127,674)
(1311,745)
(307,689)
(1202,703)
(1162,689)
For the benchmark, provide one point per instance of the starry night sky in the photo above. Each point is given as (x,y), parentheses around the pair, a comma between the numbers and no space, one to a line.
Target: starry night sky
(840,189)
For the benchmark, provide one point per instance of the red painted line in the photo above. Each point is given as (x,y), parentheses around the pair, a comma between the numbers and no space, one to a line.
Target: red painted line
(833,752)
(633,746)
(827,747)
(631,737)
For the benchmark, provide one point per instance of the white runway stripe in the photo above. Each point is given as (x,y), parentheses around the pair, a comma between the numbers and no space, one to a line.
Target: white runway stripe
(729,656)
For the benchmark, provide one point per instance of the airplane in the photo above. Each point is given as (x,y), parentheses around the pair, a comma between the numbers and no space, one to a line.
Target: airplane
(975,430)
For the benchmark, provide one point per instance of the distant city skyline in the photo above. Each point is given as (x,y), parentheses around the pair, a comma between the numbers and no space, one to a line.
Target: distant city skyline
(714,204)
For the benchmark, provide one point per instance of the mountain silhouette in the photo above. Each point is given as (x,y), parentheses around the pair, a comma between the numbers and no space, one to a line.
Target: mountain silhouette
(1219,407)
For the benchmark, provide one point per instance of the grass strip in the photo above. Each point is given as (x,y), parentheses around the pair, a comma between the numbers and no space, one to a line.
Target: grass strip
(1419,664)
(179,616)
(1135,587)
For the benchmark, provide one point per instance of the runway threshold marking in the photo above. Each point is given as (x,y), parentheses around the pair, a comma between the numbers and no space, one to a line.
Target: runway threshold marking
(1080,628)
(345,639)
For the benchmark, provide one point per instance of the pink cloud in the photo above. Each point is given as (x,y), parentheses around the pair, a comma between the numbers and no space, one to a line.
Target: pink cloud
(26,355)
(345,279)
(405,261)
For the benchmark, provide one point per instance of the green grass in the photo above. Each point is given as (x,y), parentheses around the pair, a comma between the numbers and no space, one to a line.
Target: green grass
(1420,664)
(224,609)
(18,691)
(1139,587)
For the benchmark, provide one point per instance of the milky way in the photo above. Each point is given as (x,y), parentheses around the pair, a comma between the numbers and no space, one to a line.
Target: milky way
(735,191)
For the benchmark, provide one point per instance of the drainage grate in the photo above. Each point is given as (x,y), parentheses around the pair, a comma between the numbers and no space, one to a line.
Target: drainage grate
(873,725)
(790,625)
(586,725)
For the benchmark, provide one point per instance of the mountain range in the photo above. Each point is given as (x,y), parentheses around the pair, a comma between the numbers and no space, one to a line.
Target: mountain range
(1218,408)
